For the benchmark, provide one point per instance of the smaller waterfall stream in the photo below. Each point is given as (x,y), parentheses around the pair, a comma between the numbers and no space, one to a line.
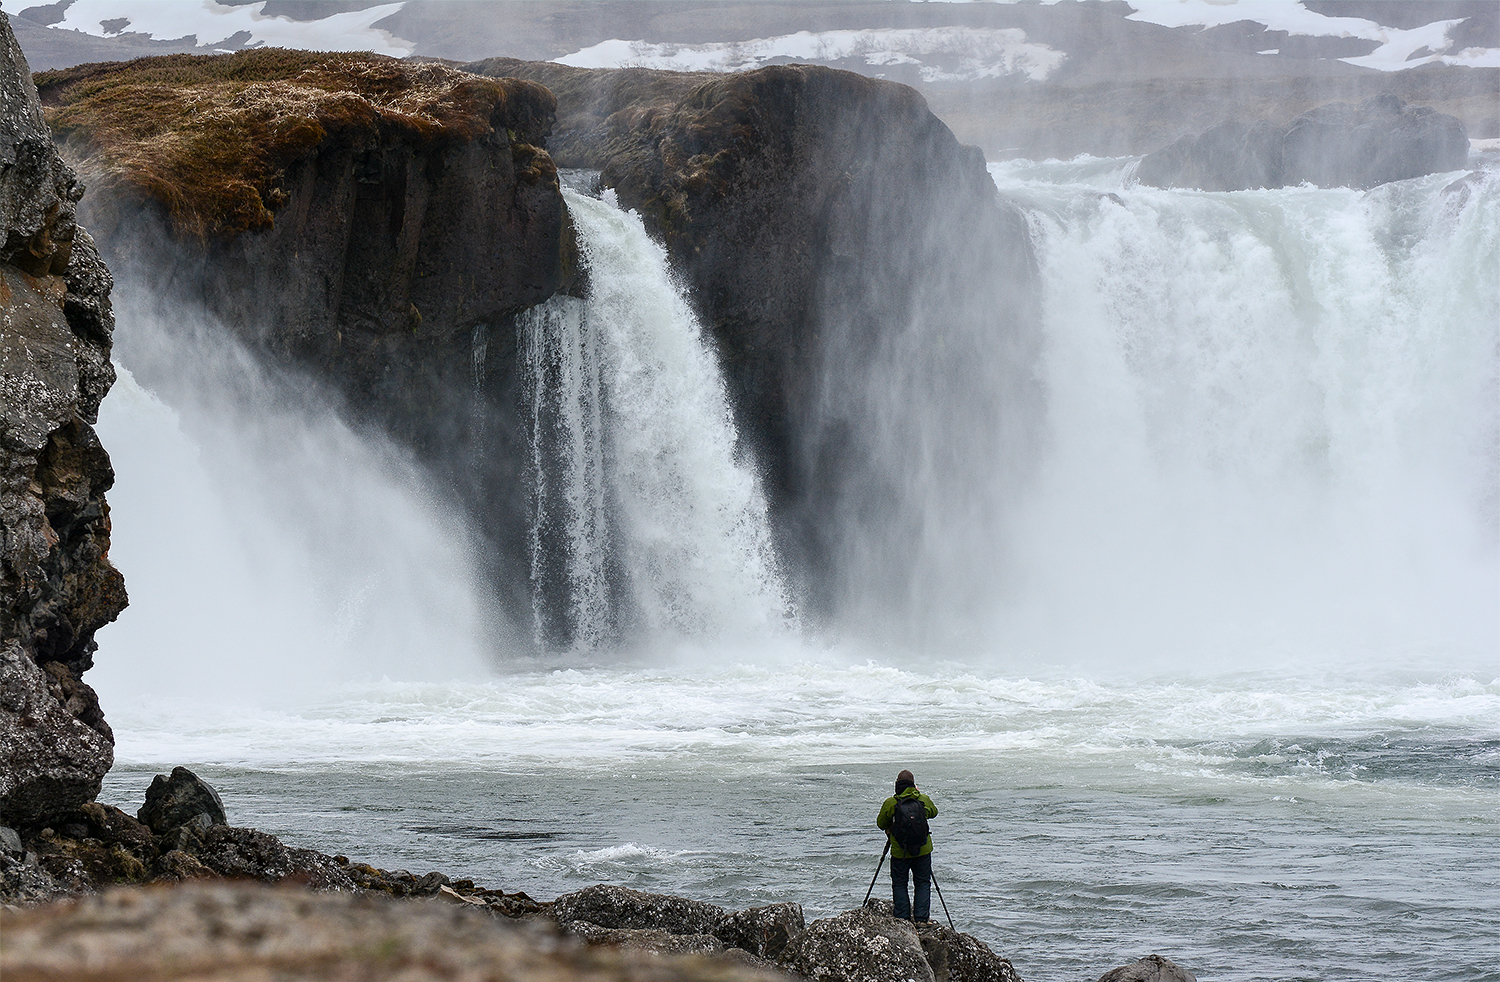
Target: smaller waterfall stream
(646,519)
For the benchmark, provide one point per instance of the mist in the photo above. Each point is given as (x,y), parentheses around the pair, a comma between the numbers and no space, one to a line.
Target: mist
(271,550)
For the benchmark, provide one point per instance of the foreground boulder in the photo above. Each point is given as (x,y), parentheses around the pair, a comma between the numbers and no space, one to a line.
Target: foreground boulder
(869,945)
(224,932)
(57,586)
(1152,968)
(859,946)
(1337,145)
(620,907)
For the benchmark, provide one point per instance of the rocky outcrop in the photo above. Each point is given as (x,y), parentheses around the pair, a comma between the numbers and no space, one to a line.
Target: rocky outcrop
(865,945)
(57,586)
(859,946)
(844,249)
(181,836)
(1152,968)
(620,907)
(1337,145)
(182,799)
(230,932)
(371,223)
(605,914)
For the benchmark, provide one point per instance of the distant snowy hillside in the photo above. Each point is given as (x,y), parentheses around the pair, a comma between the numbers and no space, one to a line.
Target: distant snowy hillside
(663,36)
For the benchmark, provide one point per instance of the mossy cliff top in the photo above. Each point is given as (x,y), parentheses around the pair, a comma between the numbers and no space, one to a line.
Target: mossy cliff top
(209,137)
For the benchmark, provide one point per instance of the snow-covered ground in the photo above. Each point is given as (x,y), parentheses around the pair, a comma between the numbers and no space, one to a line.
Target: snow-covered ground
(944,54)
(216,23)
(938,54)
(1396,46)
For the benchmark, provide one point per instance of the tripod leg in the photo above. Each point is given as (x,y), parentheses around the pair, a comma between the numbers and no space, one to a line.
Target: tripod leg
(943,902)
(877,873)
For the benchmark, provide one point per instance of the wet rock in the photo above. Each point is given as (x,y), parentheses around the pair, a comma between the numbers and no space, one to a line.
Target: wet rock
(858,946)
(57,586)
(176,866)
(221,932)
(644,939)
(833,232)
(1335,145)
(762,931)
(959,957)
(620,907)
(1152,968)
(182,799)
(248,854)
(10,842)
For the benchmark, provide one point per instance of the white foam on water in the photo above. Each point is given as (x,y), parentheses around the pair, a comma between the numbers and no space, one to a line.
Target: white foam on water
(1272,426)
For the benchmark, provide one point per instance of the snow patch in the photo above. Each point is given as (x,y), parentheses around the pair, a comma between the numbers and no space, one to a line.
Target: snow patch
(214,23)
(1396,46)
(945,54)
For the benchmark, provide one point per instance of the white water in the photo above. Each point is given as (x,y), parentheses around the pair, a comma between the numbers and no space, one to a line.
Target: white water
(1271,425)
(644,429)
(1245,710)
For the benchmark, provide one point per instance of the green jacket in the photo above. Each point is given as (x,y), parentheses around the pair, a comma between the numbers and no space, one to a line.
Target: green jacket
(888,813)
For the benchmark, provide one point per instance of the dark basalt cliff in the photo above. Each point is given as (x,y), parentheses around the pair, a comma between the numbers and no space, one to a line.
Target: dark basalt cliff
(369,222)
(378,224)
(1336,145)
(844,249)
(57,586)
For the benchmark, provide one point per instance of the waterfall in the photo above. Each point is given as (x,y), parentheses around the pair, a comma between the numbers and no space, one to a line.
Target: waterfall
(1271,421)
(646,520)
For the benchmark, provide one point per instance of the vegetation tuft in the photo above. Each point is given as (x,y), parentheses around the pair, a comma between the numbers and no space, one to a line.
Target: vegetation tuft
(209,136)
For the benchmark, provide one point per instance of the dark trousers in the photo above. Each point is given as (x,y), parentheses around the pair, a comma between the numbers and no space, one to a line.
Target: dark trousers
(921,870)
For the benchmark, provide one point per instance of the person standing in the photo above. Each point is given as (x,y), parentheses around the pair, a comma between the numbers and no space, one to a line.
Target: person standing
(903,818)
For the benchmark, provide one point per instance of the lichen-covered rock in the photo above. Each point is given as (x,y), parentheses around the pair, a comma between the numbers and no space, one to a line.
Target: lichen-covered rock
(1152,968)
(762,931)
(858,946)
(620,907)
(958,957)
(249,854)
(221,932)
(180,799)
(1336,145)
(644,939)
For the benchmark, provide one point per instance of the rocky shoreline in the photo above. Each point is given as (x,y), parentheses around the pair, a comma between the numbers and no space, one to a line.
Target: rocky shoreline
(107,883)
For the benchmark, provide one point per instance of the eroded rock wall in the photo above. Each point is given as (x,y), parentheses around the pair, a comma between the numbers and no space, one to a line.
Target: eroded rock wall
(385,254)
(864,283)
(57,586)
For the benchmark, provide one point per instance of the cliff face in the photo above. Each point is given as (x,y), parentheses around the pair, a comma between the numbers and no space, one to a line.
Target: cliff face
(372,223)
(57,586)
(845,251)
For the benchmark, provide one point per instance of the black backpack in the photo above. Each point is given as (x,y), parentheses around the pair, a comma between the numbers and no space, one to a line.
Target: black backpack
(909,824)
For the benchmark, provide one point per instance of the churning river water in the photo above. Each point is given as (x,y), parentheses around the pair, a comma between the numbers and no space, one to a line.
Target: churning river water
(1240,705)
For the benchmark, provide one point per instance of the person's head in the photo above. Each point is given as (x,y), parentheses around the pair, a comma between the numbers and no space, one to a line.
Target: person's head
(905,780)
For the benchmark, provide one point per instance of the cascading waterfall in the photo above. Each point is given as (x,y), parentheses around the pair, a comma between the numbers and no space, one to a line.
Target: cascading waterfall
(1271,421)
(645,517)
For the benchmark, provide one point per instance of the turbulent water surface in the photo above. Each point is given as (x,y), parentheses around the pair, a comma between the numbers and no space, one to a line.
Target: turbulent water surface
(1237,701)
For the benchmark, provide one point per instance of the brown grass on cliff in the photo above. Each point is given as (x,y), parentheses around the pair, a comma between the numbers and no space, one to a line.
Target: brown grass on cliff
(208,137)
